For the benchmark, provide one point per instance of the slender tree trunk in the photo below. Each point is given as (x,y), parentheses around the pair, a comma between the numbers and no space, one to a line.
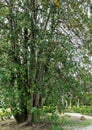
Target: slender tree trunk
(78,103)
(40,101)
(70,104)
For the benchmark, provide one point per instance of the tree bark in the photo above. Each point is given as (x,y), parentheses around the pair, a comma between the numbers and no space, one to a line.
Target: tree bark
(20,118)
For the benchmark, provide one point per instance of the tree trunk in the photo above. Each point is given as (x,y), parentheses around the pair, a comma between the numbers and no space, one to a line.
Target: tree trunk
(40,101)
(78,103)
(70,104)
(21,117)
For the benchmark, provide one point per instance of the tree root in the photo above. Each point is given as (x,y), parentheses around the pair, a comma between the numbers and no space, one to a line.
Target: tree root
(27,123)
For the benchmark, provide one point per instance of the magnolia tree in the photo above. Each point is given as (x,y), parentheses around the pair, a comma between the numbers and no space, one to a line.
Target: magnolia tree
(43,47)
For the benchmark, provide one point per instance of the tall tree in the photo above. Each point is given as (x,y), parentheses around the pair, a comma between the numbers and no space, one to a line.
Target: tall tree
(42,46)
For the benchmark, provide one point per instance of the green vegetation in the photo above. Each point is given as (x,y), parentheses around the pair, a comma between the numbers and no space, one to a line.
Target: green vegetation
(45,57)
(5,114)
(86,110)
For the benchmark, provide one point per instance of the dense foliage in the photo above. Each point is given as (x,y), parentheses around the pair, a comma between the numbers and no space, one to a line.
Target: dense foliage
(45,54)
(85,110)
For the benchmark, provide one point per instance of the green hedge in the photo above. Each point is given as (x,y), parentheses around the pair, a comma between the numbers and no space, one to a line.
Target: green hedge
(84,110)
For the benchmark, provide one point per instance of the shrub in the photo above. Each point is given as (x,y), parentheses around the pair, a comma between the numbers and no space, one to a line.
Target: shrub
(49,109)
(84,110)
(5,114)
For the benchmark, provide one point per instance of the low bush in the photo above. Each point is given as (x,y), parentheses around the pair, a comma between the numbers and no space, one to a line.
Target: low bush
(83,109)
(55,121)
(5,114)
(49,109)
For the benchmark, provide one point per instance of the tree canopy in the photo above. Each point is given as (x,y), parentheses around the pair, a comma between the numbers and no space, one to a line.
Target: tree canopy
(45,53)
